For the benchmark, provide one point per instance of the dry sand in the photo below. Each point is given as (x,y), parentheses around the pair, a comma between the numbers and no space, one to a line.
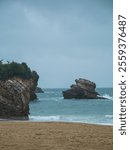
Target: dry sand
(54,136)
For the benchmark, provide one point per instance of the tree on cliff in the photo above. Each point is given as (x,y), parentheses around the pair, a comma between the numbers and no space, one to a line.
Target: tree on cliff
(9,70)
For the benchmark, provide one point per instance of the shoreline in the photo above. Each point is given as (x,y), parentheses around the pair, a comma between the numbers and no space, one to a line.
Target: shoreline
(54,136)
(9,120)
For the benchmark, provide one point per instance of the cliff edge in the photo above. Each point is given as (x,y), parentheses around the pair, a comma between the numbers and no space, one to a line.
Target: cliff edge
(17,88)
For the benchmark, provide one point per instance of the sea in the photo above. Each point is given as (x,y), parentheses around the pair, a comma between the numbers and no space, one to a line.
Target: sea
(52,107)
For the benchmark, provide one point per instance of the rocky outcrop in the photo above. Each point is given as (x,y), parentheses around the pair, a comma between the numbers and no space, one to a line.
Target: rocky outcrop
(15,94)
(83,89)
(39,90)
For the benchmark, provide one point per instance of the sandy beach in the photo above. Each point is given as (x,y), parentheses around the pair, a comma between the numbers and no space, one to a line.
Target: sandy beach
(54,136)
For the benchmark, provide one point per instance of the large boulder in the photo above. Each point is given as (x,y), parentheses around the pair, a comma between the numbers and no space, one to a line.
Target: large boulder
(83,89)
(15,94)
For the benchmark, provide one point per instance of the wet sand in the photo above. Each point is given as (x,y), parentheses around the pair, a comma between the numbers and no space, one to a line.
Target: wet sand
(54,136)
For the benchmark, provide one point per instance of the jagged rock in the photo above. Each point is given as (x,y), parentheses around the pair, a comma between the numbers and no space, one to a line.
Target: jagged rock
(83,89)
(15,94)
(39,90)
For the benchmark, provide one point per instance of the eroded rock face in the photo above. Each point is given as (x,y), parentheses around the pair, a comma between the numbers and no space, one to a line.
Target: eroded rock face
(83,89)
(39,90)
(15,94)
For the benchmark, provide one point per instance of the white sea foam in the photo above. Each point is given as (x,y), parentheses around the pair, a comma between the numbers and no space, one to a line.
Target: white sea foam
(49,92)
(107,96)
(44,118)
(59,118)
(69,118)
(109,116)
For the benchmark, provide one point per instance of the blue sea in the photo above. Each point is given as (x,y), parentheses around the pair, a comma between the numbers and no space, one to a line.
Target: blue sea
(51,106)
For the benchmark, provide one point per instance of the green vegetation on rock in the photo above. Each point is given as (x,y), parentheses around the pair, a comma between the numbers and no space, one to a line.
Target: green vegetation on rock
(14,69)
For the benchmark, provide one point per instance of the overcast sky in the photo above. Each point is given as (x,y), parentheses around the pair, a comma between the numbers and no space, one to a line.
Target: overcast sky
(60,39)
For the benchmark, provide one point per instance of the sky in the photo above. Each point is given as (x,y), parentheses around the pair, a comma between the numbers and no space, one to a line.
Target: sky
(62,40)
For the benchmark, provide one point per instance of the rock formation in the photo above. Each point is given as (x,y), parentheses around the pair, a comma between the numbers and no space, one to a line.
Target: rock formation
(16,92)
(15,95)
(83,89)
(39,90)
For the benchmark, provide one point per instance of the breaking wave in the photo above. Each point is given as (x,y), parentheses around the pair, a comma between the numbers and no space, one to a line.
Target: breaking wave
(107,96)
(69,118)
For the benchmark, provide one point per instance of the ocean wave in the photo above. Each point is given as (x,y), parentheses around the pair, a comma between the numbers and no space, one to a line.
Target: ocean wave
(69,118)
(109,116)
(60,98)
(53,98)
(44,118)
(49,92)
(107,96)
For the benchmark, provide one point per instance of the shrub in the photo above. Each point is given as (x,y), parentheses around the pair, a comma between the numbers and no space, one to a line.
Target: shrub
(9,70)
